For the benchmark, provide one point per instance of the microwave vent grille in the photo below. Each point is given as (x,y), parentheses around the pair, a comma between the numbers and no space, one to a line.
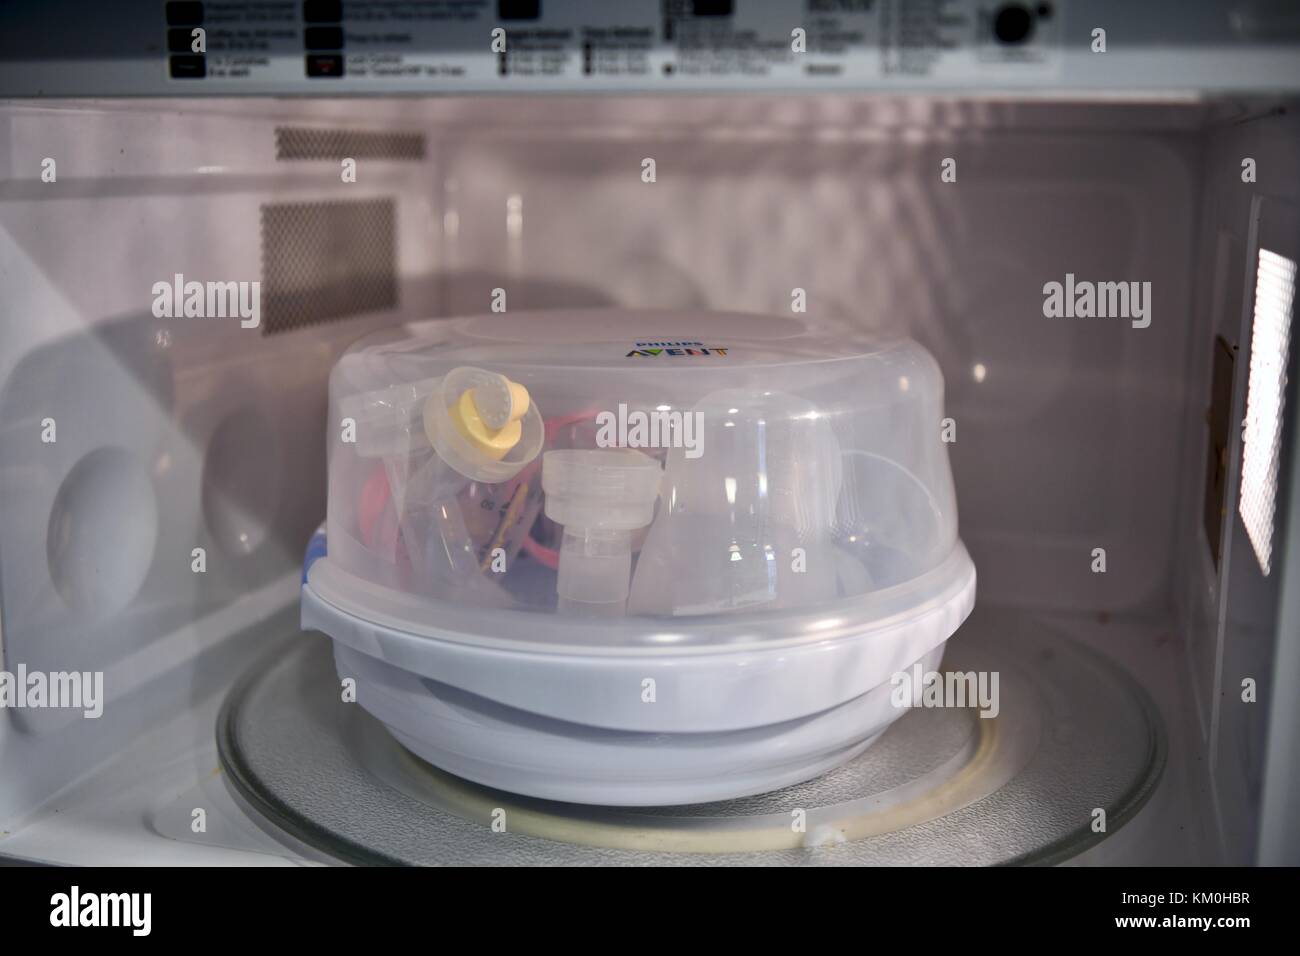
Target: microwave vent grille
(325,261)
(306,142)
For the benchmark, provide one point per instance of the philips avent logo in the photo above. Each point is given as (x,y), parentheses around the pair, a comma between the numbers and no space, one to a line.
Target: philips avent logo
(674,349)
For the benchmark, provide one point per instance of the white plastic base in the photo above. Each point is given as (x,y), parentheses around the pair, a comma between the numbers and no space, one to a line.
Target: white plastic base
(524,753)
(556,725)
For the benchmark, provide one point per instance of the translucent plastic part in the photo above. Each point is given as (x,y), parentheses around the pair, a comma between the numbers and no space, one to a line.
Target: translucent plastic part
(600,497)
(742,525)
(641,466)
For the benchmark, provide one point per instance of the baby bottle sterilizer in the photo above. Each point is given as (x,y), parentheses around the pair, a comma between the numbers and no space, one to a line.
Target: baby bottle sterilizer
(636,558)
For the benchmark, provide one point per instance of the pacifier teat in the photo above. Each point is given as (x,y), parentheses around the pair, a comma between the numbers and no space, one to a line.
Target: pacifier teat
(490,416)
(483,425)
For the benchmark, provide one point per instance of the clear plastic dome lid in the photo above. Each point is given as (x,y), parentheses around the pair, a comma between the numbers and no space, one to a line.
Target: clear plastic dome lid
(607,477)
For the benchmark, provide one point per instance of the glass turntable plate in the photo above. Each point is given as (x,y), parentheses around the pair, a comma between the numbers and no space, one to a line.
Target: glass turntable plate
(942,786)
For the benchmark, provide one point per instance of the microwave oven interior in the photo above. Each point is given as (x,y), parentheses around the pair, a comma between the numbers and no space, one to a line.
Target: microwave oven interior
(1126,484)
